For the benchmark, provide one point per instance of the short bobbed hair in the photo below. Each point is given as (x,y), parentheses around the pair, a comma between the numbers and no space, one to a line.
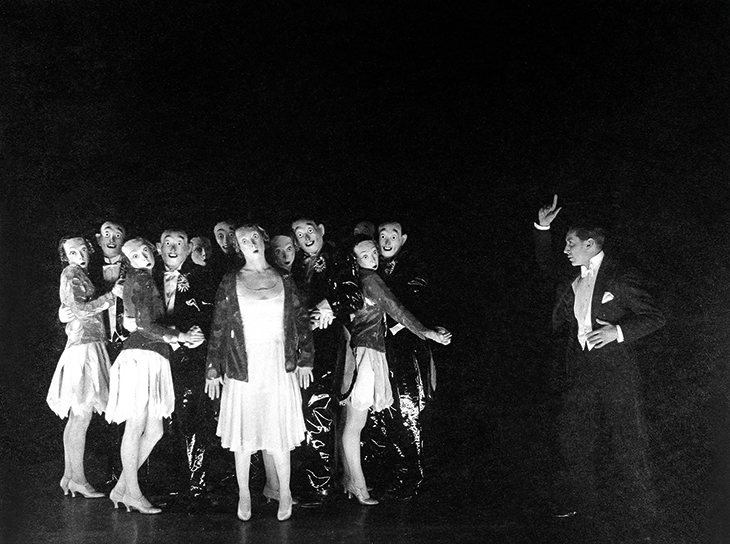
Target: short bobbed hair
(62,250)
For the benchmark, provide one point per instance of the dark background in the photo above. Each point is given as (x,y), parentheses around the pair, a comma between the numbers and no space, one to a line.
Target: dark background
(458,118)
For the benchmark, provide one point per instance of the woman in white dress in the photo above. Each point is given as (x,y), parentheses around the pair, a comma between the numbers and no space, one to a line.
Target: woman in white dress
(261,351)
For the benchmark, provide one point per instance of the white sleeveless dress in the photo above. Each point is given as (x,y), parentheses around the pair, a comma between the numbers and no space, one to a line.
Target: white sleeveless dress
(264,413)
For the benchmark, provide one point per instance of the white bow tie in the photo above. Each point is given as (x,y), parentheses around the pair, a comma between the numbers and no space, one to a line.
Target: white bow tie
(586,271)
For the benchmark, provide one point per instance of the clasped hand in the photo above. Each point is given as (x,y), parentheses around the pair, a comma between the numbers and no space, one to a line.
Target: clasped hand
(196,337)
(321,318)
(605,335)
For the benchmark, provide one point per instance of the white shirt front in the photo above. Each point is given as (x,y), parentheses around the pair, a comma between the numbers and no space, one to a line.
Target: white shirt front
(583,287)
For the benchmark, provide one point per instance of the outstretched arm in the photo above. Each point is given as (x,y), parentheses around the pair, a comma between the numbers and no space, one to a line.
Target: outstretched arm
(375,288)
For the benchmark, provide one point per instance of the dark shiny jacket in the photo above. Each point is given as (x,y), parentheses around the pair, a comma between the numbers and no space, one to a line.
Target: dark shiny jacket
(368,327)
(227,345)
(327,276)
(143,303)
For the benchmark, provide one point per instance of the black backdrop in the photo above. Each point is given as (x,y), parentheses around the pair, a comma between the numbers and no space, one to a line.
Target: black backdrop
(459,118)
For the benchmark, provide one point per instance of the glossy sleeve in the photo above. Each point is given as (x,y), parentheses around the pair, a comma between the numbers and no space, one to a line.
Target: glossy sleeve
(219,332)
(305,343)
(376,290)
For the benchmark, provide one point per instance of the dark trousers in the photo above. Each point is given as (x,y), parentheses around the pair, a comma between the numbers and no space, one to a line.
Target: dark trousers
(603,432)
(193,424)
(314,462)
(392,440)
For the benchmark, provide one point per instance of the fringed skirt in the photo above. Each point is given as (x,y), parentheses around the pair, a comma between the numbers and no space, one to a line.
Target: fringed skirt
(372,381)
(140,378)
(81,380)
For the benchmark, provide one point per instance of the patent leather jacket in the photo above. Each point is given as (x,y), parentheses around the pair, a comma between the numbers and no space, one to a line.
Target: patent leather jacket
(325,277)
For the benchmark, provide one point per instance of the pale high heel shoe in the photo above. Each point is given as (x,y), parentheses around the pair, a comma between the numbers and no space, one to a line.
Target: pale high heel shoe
(86,490)
(64,484)
(272,494)
(244,508)
(116,497)
(360,493)
(285,507)
(139,504)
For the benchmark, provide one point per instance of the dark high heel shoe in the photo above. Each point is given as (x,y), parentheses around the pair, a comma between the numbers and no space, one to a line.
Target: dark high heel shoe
(64,484)
(273,495)
(139,504)
(86,490)
(244,508)
(116,497)
(360,493)
(285,507)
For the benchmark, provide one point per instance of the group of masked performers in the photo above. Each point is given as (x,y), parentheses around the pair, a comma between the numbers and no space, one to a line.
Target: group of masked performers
(288,346)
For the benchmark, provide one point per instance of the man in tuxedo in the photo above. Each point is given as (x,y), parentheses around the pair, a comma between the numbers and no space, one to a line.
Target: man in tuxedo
(188,294)
(104,272)
(601,312)
(331,293)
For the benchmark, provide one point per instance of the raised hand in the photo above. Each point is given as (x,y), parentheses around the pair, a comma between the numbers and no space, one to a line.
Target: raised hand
(546,214)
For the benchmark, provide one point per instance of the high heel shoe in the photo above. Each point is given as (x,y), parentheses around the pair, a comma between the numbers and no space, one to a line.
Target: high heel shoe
(273,495)
(360,493)
(64,484)
(345,480)
(284,512)
(244,508)
(116,497)
(86,490)
(139,504)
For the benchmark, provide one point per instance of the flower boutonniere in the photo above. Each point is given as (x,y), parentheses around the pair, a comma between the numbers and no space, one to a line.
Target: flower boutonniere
(182,283)
(320,265)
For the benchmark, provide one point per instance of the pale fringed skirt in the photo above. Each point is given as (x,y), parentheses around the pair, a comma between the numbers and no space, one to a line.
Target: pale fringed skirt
(372,381)
(140,378)
(81,380)
(264,413)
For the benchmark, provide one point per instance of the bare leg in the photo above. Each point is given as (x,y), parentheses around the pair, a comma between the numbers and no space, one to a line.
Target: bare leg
(67,470)
(282,464)
(243,466)
(272,481)
(74,442)
(354,423)
(151,434)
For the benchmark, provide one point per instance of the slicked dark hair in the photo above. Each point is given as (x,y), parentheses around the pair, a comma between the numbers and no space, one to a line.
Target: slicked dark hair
(583,232)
